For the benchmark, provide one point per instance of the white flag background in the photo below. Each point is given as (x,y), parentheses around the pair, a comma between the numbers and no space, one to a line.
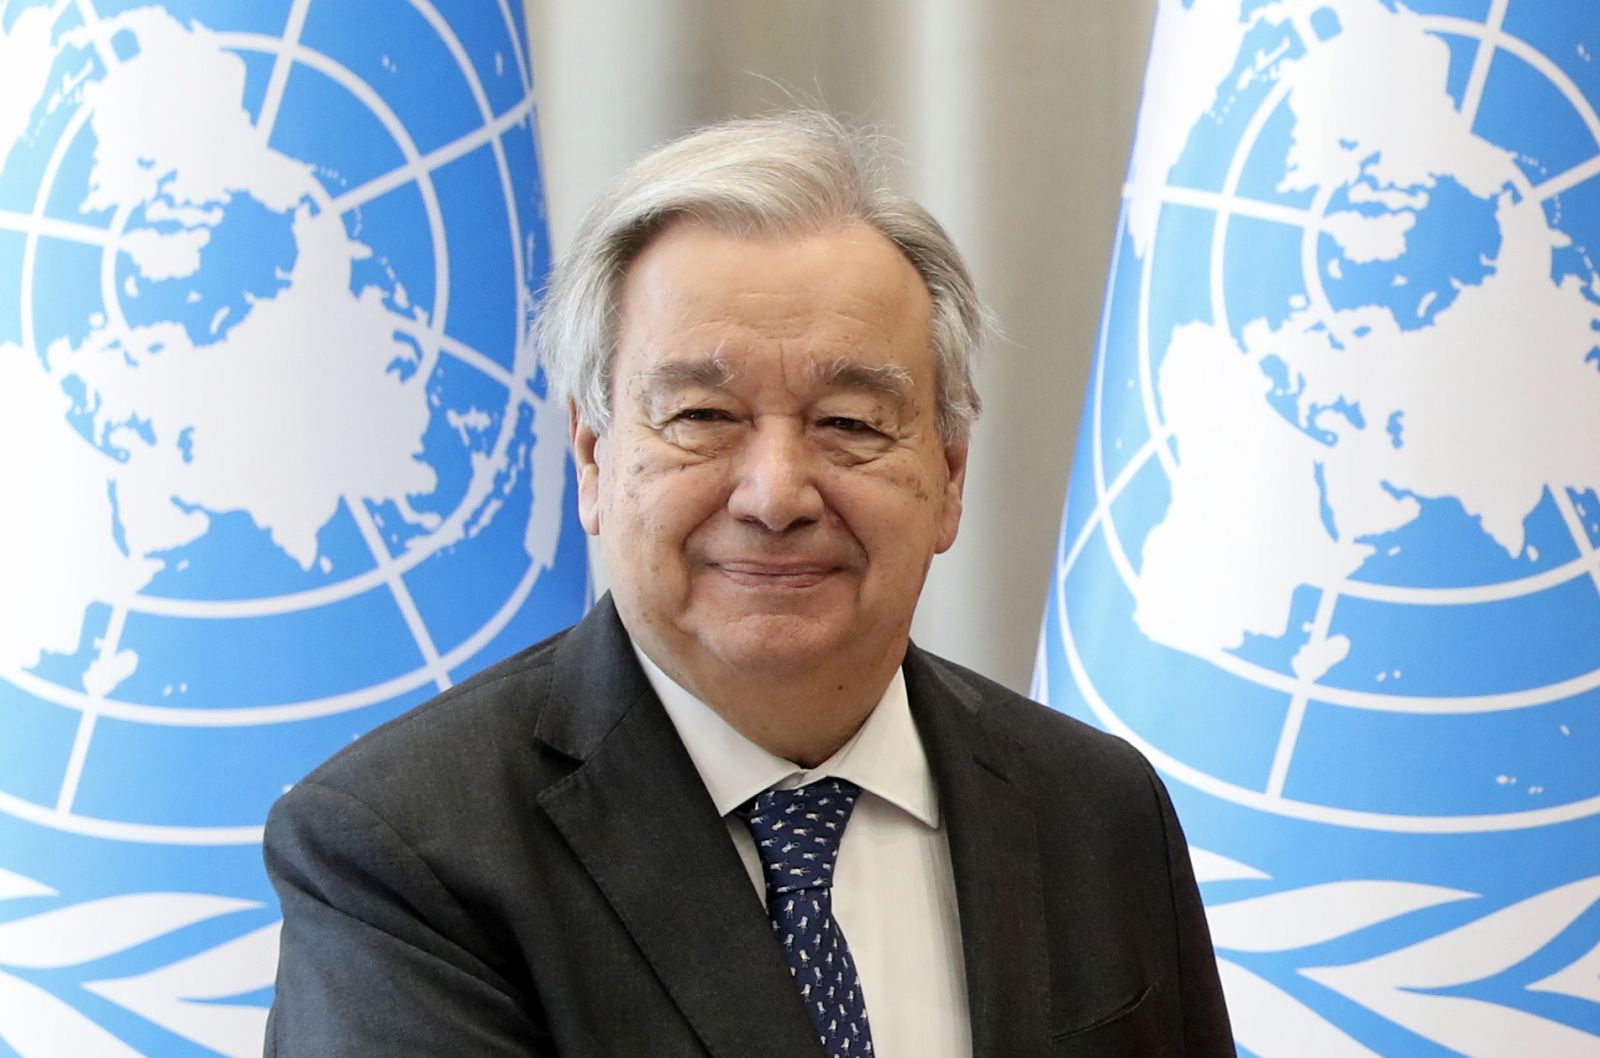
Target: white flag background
(1331,553)
(276,462)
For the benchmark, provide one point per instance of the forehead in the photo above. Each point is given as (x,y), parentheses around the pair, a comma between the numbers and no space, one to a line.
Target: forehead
(847,293)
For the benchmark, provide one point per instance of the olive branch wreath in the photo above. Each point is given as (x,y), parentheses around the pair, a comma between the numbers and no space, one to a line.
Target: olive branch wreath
(1401,985)
(183,997)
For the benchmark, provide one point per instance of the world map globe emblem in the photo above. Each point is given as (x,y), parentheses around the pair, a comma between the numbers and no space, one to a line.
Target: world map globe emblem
(1315,507)
(1331,552)
(282,455)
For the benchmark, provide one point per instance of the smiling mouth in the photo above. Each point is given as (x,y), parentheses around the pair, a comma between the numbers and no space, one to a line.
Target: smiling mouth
(774,574)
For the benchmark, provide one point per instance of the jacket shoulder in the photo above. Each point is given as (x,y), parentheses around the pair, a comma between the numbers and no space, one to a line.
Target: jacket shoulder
(1035,730)
(456,731)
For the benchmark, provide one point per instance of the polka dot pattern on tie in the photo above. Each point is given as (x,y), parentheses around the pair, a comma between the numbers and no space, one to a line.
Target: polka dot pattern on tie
(797,834)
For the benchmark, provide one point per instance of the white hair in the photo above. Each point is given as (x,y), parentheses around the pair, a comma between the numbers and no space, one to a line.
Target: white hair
(798,171)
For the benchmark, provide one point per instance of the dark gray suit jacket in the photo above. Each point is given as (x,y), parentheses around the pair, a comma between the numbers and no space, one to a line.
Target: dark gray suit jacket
(530,865)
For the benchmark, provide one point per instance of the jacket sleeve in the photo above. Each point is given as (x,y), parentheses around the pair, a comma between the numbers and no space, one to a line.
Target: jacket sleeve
(377,957)
(1206,1030)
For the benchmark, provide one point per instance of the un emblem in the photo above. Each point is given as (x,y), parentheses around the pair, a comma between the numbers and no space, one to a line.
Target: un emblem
(1331,557)
(278,462)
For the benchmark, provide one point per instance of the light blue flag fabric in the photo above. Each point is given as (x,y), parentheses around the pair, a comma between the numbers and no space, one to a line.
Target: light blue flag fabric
(1331,553)
(276,461)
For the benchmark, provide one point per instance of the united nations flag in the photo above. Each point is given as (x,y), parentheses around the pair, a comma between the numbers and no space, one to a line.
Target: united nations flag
(276,461)
(1331,556)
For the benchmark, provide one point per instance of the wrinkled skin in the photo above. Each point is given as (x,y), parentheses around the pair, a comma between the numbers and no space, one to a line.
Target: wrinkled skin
(772,486)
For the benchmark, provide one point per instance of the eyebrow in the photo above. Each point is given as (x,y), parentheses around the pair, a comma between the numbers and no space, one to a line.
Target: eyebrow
(713,372)
(885,380)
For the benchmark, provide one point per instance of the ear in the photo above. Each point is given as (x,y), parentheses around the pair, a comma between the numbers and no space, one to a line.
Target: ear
(955,460)
(586,455)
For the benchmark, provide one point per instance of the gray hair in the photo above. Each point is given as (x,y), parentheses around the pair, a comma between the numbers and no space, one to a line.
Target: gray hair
(796,171)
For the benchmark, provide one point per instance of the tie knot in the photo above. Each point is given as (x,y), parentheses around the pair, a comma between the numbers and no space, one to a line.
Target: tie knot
(797,832)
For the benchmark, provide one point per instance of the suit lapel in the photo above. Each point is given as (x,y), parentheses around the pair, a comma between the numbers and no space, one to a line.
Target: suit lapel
(995,856)
(639,819)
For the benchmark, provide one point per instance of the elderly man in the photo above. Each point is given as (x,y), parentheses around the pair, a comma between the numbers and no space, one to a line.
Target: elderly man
(734,812)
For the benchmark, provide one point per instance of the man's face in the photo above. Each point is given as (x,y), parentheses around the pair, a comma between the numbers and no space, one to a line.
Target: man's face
(773,485)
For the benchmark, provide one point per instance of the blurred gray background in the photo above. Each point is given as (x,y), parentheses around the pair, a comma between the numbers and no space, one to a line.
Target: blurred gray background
(1014,119)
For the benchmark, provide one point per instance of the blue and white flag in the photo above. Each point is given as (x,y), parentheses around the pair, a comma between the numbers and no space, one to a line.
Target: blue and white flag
(1331,556)
(276,461)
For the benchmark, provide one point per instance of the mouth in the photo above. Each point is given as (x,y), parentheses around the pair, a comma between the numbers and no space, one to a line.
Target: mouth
(779,575)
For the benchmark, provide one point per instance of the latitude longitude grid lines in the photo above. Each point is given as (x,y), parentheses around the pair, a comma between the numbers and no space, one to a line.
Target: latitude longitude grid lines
(1491,38)
(388,571)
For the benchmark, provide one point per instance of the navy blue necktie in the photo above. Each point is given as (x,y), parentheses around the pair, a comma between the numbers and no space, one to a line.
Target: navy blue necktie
(797,833)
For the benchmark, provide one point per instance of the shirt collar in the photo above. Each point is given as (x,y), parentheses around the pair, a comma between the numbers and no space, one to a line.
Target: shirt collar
(884,757)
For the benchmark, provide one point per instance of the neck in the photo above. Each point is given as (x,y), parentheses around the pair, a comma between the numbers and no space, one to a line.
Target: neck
(802,716)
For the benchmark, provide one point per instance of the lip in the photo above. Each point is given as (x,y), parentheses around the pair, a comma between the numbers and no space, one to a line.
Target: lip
(791,575)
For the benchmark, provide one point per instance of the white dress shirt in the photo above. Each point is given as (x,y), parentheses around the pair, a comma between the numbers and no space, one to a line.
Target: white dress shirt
(894,893)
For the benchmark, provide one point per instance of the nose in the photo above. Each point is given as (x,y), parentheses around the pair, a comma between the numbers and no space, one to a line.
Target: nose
(775,482)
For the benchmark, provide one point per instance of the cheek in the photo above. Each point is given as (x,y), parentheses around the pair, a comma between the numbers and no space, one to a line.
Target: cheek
(915,488)
(661,504)
(895,513)
(627,484)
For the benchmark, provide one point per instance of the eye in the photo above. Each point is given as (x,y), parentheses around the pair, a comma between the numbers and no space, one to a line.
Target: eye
(844,424)
(702,415)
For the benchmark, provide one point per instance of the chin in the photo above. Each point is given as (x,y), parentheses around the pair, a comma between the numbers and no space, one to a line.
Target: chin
(776,641)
